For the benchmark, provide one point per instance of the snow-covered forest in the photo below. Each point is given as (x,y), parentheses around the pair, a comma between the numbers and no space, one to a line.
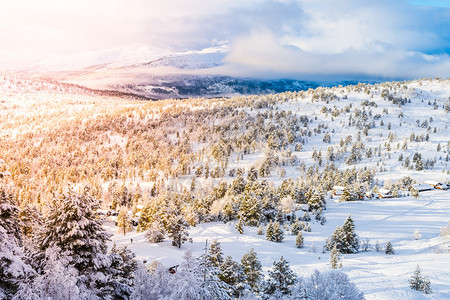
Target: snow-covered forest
(329,193)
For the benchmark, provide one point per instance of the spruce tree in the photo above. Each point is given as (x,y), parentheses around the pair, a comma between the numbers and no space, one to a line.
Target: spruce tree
(177,229)
(420,283)
(71,225)
(335,258)
(269,231)
(252,269)
(215,253)
(278,233)
(231,273)
(345,238)
(299,240)
(389,249)
(13,269)
(239,226)
(124,222)
(155,234)
(281,278)
(122,268)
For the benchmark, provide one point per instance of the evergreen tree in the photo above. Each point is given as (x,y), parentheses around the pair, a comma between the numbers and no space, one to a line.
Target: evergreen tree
(231,273)
(347,194)
(420,283)
(57,280)
(252,269)
(177,229)
(281,278)
(345,238)
(249,209)
(210,282)
(299,240)
(278,233)
(215,254)
(122,268)
(13,269)
(155,234)
(335,258)
(239,226)
(260,230)
(296,228)
(269,231)
(72,226)
(389,249)
(124,222)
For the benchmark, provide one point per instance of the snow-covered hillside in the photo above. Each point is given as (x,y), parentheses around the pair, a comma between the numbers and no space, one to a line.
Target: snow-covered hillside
(207,165)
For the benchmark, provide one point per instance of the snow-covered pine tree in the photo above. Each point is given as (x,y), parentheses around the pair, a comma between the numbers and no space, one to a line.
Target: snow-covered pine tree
(155,234)
(278,233)
(71,225)
(122,268)
(13,269)
(231,273)
(295,228)
(252,269)
(281,278)
(260,230)
(208,274)
(347,194)
(177,229)
(345,238)
(299,240)
(57,280)
(249,209)
(335,258)
(269,231)
(239,226)
(389,249)
(215,254)
(419,282)
(124,222)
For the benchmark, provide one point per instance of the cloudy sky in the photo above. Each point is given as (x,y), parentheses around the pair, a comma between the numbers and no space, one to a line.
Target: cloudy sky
(382,38)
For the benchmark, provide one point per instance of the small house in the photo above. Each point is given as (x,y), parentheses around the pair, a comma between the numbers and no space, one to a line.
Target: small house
(337,190)
(422,187)
(385,193)
(437,185)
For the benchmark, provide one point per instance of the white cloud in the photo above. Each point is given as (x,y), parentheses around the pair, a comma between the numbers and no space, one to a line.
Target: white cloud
(268,37)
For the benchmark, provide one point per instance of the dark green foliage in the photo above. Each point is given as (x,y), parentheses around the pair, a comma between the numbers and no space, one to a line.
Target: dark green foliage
(419,282)
(281,278)
(345,238)
(239,227)
(252,269)
(232,273)
(389,249)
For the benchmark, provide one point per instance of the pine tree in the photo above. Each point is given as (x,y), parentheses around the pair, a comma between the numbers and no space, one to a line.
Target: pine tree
(296,228)
(335,258)
(249,210)
(210,282)
(155,234)
(239,226)
(269,231)
(124,222)
(252,269)
(177,229)
(278,233)
(231,273)
(281,278)
(72,226)
(347,195)
(420,283)
(215,254)
(299,240)
(57,280)
(344,238)
(13,269)
(389,249)
(260,230)
(122,268)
